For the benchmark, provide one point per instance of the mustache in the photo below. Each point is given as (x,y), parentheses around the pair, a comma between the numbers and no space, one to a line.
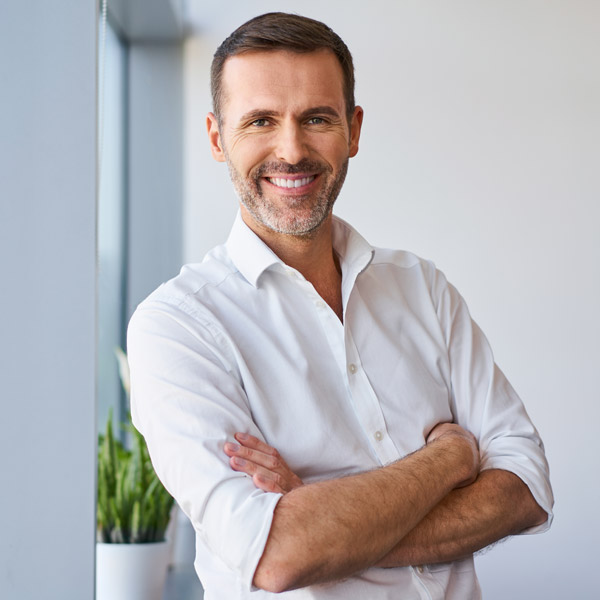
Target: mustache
(282,168)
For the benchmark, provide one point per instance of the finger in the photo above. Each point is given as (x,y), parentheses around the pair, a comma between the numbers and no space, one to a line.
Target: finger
(270,481)
(262,478)
(268,485)
(242,465)
(272,461)
(251,441)
(251,468)
(231,448)
(273,467)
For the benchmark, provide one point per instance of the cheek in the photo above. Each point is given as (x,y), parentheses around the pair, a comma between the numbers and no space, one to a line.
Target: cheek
(334,149)
(246,155)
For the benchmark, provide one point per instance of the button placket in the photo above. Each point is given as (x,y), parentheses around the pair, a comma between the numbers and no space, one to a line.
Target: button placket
(367,406)
(331,325)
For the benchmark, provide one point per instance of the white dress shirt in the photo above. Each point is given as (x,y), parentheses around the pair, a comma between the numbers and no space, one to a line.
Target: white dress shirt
(242,342)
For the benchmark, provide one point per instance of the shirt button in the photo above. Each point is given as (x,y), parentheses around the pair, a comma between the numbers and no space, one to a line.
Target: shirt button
(379,436)
(320,304)
(420,569)
(352,368)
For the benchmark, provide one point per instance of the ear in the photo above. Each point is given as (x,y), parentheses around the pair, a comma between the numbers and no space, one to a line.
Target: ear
(355,126)
(214,138)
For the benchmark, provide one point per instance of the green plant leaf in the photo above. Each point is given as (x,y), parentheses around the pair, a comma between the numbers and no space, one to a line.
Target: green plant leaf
(133,505)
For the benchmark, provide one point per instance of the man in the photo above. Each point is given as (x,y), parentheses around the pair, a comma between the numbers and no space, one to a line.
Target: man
(326,413)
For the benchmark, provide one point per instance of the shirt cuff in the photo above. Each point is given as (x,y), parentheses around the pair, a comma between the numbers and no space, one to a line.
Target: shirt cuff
(236,525)
(526,460)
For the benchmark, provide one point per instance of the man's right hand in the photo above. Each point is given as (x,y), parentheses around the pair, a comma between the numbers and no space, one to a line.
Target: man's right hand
(268,469)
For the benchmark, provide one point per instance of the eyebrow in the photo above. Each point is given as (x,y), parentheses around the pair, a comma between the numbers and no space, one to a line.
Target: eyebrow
(315,110)
(320,110)
(257,114)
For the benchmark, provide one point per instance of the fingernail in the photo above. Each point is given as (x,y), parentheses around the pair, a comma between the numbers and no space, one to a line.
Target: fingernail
(242,436)
(232,447)
(240,462)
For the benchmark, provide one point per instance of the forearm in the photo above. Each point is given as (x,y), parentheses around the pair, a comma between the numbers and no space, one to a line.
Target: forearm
(330,530)
(496,505)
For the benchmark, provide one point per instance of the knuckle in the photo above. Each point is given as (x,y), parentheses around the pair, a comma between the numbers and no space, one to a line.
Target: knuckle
(265,484)
(271,451)
(272,462)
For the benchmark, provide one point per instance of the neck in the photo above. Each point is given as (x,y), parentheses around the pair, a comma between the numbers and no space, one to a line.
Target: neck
(311,255)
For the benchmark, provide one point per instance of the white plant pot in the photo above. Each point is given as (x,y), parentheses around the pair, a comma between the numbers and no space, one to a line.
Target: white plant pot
(131,571)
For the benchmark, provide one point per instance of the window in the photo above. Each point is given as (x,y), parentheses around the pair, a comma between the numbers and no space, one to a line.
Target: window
(112,223)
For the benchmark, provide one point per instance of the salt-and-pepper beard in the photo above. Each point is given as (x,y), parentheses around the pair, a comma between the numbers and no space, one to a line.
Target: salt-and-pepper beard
(287,219)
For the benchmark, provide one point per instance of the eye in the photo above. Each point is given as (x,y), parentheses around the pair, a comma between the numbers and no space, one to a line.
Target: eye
(260,123)
(316,121)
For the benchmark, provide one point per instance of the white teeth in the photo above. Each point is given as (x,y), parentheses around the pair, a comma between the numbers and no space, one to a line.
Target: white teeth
(290,183)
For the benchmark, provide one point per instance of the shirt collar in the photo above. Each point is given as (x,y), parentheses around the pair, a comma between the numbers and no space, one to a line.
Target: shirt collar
(249,253)
(252,257)
(354,252)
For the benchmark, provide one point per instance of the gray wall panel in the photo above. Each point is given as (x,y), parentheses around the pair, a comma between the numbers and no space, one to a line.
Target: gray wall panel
(47,299)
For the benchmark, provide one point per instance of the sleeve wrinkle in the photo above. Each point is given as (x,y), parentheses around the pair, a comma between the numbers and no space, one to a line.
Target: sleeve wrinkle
(485,403)
(187,399)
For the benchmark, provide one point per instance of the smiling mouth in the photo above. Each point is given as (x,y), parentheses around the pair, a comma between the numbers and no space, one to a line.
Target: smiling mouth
(290,182)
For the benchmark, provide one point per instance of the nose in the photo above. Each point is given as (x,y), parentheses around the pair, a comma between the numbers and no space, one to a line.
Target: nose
(291,144)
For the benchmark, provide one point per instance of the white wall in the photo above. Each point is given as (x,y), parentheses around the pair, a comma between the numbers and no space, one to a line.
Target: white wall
(480,151)
(47,299)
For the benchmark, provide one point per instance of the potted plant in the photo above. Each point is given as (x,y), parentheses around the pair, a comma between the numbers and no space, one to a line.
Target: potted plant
(133,511)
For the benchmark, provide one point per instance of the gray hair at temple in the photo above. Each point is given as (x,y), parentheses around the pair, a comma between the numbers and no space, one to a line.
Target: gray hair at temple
(281,31)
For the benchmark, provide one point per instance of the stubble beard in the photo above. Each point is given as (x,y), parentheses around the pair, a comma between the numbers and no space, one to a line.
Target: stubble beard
(300,215)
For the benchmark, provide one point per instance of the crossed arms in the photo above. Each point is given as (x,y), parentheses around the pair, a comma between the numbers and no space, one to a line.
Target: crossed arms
(432,506)
(190,395)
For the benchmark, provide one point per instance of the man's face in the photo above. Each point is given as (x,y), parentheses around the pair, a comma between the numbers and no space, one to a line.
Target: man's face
(285,137)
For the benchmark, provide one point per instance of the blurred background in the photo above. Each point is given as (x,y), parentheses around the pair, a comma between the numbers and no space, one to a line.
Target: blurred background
(479,151)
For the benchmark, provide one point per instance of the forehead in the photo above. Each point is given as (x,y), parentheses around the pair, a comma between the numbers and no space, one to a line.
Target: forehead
(282,80)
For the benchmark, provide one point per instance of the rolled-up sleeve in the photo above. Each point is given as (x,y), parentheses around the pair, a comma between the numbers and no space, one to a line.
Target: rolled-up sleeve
(485,403)
(187,400)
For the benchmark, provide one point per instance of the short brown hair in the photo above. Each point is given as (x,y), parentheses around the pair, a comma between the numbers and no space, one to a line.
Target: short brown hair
(281,31)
